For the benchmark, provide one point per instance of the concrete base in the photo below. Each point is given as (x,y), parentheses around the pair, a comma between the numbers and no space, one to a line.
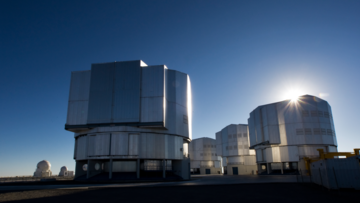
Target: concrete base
(242,169)
(79,168)
(213,170)
(182,168)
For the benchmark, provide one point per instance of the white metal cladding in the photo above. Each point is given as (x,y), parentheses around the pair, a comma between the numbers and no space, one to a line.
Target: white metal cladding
(234,140)
(77,112)
(185,149)
(332,149)
(101,91)
(194,164)
(289,154)
(81,148)
(306,122)
(98,144)
(119,143)
(124,166)
(310,151)
(219,144)
(115,97)
(126,95)
(203,149)
(152,84)
(160,146)
(176,97)
(259,156)
(152,109)
(236,159)
(249,160)
(217,164)
(273,154)
(78,98)
(133,144)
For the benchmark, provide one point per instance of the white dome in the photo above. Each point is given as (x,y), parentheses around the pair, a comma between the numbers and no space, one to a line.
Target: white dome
(63,169)
(44,165)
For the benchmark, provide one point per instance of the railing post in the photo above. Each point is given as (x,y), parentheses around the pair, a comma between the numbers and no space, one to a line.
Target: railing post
(337,186)
(321,178)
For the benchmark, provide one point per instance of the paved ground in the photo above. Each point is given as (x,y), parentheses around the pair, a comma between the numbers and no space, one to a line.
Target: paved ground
(196,180)
(213,188)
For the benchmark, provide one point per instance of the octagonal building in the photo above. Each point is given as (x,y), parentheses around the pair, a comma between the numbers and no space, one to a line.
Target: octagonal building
(130,121)
(285,132)
(233,146)
(203,156)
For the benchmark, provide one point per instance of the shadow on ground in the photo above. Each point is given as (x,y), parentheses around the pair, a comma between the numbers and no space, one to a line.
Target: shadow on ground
(266,192)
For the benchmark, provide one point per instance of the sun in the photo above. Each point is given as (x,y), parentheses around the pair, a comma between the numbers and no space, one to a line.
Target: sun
(293,94)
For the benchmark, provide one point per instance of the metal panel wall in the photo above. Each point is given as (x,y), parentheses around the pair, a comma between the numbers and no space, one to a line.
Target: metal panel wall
(81,148)
(152,109)
(124,166)
(249,160)
(176,103)
(133,144)
(259,156)
(126,104)
(101,91)
(195,164)
(99,144)
(119,143)
(152,84)
(289,153)
(77,112)
(78,98)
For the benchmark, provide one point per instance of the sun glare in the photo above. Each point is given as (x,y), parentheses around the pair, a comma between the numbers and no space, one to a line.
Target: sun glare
(293,95)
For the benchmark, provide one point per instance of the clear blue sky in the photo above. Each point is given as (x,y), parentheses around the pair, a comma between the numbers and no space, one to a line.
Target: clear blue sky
(239,54)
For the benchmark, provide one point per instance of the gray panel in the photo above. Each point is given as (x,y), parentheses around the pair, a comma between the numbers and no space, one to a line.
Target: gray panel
(252,134)
(152,94)
(126,104)
(152,84)
(289,154)
(81,148)
(101,90)
(78,98)
(152,109)
(80,85)
(77,112)
(170,147)
(99,144)
(181,88)
(259,157)
(170,87)
(119,143)
(274,134)
(249,160)
(258,126)
(124,166)
(133,144)
(170,117)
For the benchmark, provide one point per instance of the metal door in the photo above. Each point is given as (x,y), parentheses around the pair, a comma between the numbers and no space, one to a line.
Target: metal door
(207,171)
(235,171)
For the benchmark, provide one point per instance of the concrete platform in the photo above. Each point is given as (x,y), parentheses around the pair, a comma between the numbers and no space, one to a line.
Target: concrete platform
(196,180)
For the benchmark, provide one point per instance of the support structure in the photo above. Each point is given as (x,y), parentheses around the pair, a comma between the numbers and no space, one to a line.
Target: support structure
(138,169)
(110,168)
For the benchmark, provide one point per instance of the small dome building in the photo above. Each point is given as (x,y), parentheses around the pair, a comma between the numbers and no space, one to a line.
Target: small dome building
(43,169)
(63,171)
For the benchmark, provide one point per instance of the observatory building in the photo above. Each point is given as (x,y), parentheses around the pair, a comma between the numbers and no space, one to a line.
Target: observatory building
(130,121)
(232,144)
(43,169)
(203,156)
(285,132)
